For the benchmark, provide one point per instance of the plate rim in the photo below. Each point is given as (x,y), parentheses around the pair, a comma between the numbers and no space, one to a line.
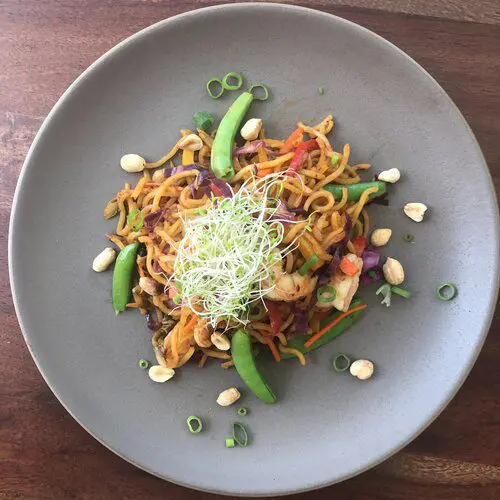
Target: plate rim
(159,25)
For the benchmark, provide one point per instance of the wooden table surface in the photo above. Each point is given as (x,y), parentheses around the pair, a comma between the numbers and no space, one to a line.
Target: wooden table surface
(44,45)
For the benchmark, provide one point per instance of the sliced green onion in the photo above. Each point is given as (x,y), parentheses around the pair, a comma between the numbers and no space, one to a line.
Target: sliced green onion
(135,219)
(446,291)
(408,237)
(326,293)
(321,91)
(401,292)
(334,159)
(385,290)
(240,434)
(212,84)
(229,443)
(143,364)
(194,424)
(265,92)
(242,411)
(341,362)
(203,120)
(308,264)
(232,75)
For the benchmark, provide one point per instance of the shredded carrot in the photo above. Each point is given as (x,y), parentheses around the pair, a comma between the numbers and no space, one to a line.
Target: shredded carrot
(274,350)
(295,138)
(337,320)
(263,173)
(191,324)
(348,267)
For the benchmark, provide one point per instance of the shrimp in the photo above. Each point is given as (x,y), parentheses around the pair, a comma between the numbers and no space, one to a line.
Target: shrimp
(345,286)
(288,287)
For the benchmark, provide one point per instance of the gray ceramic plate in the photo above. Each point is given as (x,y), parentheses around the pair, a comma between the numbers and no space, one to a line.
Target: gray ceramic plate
(325,427)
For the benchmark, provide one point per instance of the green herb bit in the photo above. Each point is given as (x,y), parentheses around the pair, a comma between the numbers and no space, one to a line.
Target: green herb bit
(212,85)
(229,443)
(334,159)
(242,411)
(304,268)
(341,362)
(446,291)
(194,424)
(240,434)
(321,91)
(385,290)
(408,237)
(259,96)
(401,292)
(326,294)
(143,364)
(135,219)
(231,77)
(203,120)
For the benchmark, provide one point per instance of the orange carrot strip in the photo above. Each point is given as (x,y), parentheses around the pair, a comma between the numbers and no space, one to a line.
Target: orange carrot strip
(274,350)
(337,320)
(191,324)
(348,267)
(263,173)
(295,138)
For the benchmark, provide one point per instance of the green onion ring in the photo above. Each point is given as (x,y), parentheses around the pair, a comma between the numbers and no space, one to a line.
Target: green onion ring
(194,424)
(308,264)
(210,84)
(446,291)
(341,362)
(229,443)
(240,434)
(237,85)
(265,90)
(408,237)
(401,292)
(242,411)
(135,219)
(143,364)
(326,293)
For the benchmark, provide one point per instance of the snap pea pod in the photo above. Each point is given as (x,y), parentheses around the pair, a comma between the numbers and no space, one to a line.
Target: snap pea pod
(354,191)
(298,341)
(221,159)
(122,276)
(244,362)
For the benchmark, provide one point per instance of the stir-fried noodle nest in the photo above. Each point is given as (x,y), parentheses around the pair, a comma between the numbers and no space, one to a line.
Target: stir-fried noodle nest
(214,259)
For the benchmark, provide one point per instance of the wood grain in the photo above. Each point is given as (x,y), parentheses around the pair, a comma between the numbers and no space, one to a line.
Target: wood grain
(44,45)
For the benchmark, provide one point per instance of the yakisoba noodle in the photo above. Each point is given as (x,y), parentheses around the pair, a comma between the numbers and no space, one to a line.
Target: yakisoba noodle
(319,223)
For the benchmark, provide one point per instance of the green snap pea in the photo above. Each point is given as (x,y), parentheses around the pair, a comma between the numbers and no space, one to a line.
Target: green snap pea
(354,191)
(122,276)
(298,341)
(221,160)
(244,362)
